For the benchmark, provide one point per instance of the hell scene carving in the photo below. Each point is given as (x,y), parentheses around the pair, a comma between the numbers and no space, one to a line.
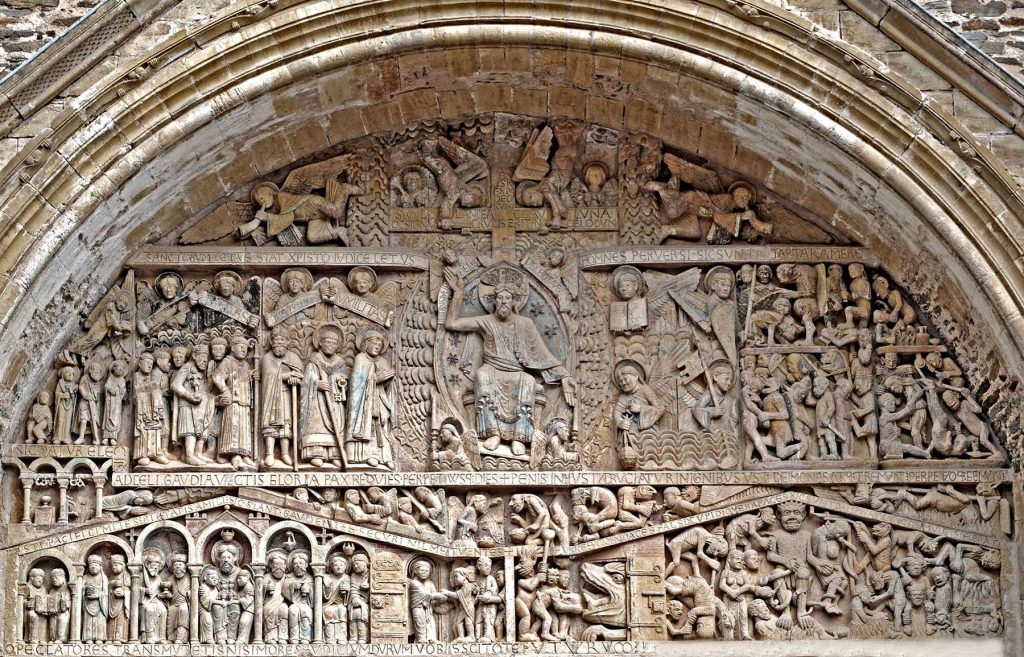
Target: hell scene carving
(505,380)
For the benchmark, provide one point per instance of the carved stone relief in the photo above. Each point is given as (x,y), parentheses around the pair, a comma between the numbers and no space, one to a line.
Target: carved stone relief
(544,383)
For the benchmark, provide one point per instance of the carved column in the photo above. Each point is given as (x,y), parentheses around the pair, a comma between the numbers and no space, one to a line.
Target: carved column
(76,607)
(62,508)
(195,571)
(510,595)
(257,632)
(133,627)
(318,602)
(26,504)
(19,621)
(99,483)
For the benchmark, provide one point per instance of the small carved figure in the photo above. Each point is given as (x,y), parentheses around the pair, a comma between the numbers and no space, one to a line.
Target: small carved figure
(708,616)
(681,503)
(743,532)
(179,599)
(697,544)
(39,426)
(335,603)
(149,388)
(280,376)
(488,601)
(463,184)
(119,605)
(629,313)
(115,389)
(233,381)
(65,395)
(297,589)
(322,422)
(414,187)
(449,451)
(36,607)
(212,609)
(152,610)
(194,401)
(423,596)
(95,601)
(370,404)
(637,407)
(359,600)
(275,606)
(90,390)
(58,607)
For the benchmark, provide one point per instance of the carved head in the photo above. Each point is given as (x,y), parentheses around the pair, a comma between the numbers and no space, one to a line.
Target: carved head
(120,367)
(914,564)
(791,515)
(169,284)
(179,356)
(296,280)
(145,362)
(227,283)
(374,493)
(627,282)
(299,562)
(264,195)
(735,559)
(360,563)
(57,578)
(517,503)
(94,564)
(766,517)
(352,496)
(373,341)
(95,370)
(671,495)
(153,562)
(764,274)
(412,181)
(939,576)
(239,347)
(219,348)
(277,563)
(555,257)
(36,576)
(339,565)
(117,563)
(479,503)
(675,610)
(557,427)
(279,341)
(628,376)
(752,560)
(504,304)
(759,609)
(595,174)
(882,529)
(211,578)
(820,386)
(179,566)
(645,493)
(722,374)
(327,339)
(421,570)
(719,282)
(880,285)
(362,280)
(228,558)
(68,373)
(43,398)
(887,402)
(243,580)
(856,270)
(742,194)
(483,566)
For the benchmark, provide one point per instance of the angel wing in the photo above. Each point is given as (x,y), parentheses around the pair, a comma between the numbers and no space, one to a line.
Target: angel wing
(468,165)
(315,176)
(534,164)
(660,302)
(455,507)
(695,175)
(221,222)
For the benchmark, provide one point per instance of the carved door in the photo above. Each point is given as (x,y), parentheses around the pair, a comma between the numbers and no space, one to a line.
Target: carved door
(646,597)
(388,600)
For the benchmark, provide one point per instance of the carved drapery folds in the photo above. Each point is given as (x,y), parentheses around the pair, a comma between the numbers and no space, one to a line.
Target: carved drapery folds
(509,380)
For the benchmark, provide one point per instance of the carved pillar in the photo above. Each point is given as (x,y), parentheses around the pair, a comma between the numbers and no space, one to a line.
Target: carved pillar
(99,483)
(133,627)
(195,571)
(510,595)
(257,625)
(62,508)
(318,602)
(26,504)
(19,622)
(76,605)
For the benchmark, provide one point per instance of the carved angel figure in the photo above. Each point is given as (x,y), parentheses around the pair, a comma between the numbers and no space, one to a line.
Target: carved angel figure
(548,183)
(461,175)
(274,212)
(414,187)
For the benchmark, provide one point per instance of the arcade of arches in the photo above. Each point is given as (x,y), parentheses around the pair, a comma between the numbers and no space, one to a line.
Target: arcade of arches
(510,327)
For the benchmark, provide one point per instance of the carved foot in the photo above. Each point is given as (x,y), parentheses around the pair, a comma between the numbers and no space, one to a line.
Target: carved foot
(317,462)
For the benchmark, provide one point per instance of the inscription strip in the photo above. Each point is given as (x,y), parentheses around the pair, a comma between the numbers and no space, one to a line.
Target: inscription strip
(163,257)
(552,479)
(736,254)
